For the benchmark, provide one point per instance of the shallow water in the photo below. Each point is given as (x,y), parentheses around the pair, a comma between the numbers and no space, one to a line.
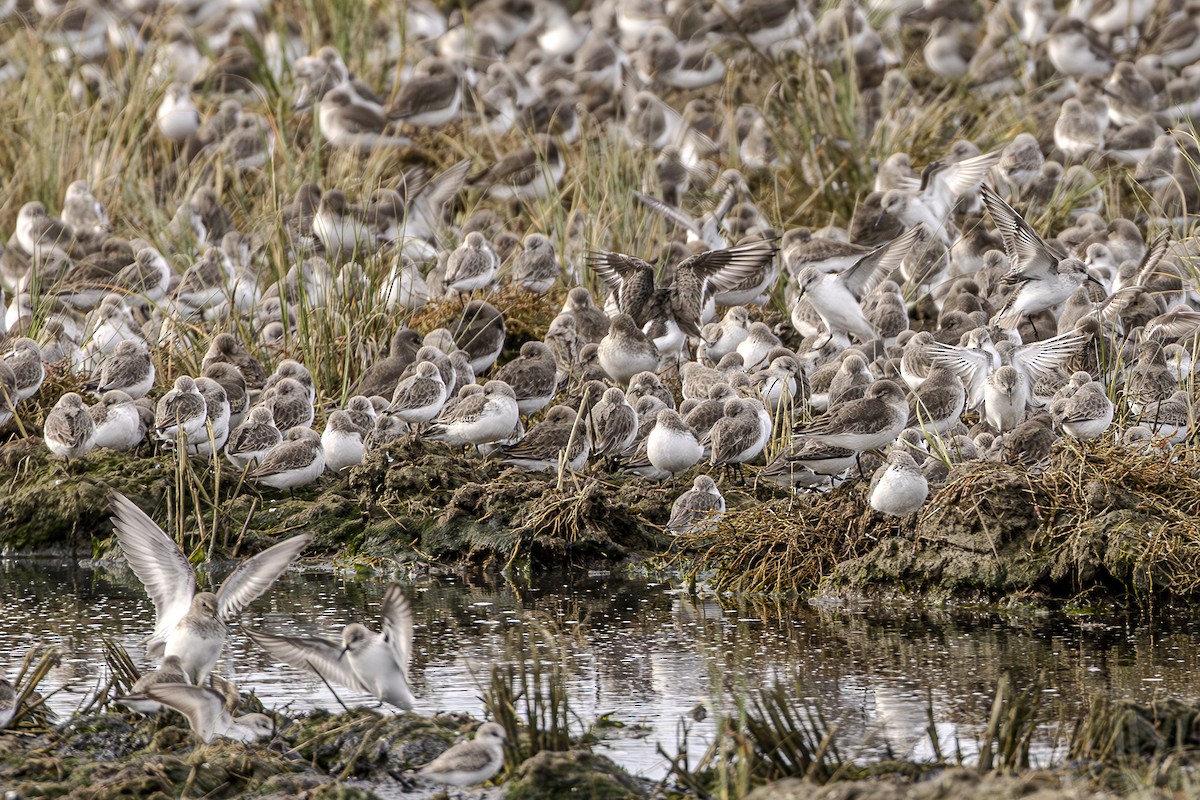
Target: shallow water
(646,654)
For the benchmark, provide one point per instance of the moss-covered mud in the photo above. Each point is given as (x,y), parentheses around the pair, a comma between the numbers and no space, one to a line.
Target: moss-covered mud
(413,501)
(1100,524)
(355,754)
(1116,750)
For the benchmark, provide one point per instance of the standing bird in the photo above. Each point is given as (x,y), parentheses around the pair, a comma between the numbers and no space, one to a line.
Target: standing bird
(626,351)
(69,431)
(614,424)
(898,487)
(536,266)
(533,376)
(697,509)
(296,461)
(469,763)
(181,411)
(472,265)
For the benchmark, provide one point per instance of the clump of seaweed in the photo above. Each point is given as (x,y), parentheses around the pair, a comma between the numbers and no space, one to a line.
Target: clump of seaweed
(787,544)
(1100,518)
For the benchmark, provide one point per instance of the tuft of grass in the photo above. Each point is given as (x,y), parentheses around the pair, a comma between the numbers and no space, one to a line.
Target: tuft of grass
(528,696)
(33,716)
(774,732)
(786,545)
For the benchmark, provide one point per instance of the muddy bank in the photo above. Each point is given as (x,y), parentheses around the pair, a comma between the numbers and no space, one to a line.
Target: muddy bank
(413,501)
(354,755)
(1100,524)
(1116,749)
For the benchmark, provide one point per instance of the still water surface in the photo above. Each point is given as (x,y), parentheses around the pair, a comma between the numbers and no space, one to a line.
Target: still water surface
(645,653)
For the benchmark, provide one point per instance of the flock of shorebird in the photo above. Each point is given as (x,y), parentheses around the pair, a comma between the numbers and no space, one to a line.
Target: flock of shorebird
(191,627)
(938,327)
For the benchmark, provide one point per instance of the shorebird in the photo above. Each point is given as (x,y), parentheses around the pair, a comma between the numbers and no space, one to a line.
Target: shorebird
(298,460)
(560,435)
(1043,279)
(250,442)
(480,331)
(346,120)
(870,423)
(24,358)
(626,351)
(697,509)
(671,445)
(898,488)
(484,418)
(69,431)
(536,266)
(532,375)
(170,670)
(207,712)
(365,661)
(342,442)
(191,624)
(838,298)
(469,763)
(472,265)
(8,703)
(430,98)
(614,423)
(117,423)
(419,397)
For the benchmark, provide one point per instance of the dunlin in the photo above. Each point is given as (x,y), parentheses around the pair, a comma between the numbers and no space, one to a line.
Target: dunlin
(625,350)
(480,331)
(420,397)
(614,424)
(191,624)
(860,425)
(431,97)
(381,377)
(560,435)
(481,419)
(469,763)
(838,299)
(118,425)
(536,267)
(698,509)
(298,460)
(472,265)
(69,431)
(342,441)
(24,358)
(346,120)
(207,713)
(738,436)
(365,661)
(532,376)
(227,348)
(170,670)
(250,442)
(898,487)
